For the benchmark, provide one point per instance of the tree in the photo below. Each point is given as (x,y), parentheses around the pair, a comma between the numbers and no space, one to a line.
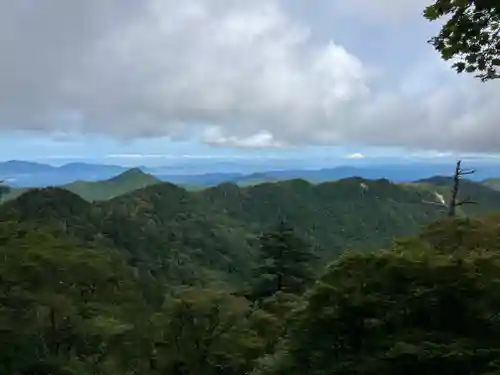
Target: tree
(63,307)
(411,311)
(206,332)
(285,262)
(454,201)
(470,37)
(462,235)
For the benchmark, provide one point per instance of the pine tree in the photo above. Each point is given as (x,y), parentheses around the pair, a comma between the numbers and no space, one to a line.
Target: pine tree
(285,262)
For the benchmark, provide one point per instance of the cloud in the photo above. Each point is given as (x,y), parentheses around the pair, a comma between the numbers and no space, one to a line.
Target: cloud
(262,139)
(356,155)
(234,73)
(234,64)
(381,10)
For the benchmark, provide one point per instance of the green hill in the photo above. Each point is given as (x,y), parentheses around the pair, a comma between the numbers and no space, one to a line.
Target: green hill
(128,181)
(179,235)
(163,230)
(334,215)
(128,285)
(124,183)
(486,198)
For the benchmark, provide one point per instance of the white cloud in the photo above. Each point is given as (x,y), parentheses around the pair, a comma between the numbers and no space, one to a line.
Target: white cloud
(235,73)
(262,139)
(356,155)
(234,64)
(381,10)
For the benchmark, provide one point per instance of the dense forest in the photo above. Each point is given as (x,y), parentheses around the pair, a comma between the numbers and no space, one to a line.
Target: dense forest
(133,276)
(233,280)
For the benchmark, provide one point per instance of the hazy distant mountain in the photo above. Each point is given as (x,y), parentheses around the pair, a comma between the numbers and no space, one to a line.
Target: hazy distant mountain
(24,167)
(84,168)
(28,174)
(395,173)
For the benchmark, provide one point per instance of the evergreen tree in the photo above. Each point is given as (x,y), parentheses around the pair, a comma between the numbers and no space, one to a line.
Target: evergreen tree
(285,260)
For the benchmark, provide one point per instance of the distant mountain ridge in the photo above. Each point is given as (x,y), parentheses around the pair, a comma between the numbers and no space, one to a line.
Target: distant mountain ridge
(31,174)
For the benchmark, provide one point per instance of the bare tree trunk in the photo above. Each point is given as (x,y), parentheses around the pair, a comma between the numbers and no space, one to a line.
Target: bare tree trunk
(454,193)
(454,202)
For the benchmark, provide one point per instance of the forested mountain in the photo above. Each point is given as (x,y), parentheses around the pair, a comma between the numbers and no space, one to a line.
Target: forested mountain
(126,182)
(335,215)
(210,234)
(482,195)
(162,280)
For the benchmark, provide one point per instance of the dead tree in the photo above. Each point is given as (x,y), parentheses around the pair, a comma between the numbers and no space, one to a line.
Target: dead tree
(454,201)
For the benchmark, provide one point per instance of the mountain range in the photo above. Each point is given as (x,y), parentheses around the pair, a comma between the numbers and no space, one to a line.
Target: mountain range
(125,182)
(31,174)
(187,236)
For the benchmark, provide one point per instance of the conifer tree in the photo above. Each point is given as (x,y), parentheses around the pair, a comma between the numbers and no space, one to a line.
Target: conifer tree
(285,262)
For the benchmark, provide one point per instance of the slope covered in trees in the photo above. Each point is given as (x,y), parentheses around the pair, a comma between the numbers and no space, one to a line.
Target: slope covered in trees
(166,230)
(222,281)
(482,194)
(184,236)
(419,307)
(124,183)
(103,190)
(426,304)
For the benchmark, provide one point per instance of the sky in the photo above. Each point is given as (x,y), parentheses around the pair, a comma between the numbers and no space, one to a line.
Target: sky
(138,82)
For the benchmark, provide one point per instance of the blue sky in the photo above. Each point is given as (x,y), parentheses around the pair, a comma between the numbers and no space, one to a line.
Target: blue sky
(159,151)
(128,82)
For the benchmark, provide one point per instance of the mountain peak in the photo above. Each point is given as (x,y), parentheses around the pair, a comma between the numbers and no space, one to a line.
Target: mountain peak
(134,174)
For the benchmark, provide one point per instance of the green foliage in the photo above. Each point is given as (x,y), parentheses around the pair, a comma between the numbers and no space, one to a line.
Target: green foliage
(411,310)
(171,235)
(62,308)
(463,235)
(487,199)
(145,283)
(332,217)
(65,309)
(285,263)
(206,332)
(470,36)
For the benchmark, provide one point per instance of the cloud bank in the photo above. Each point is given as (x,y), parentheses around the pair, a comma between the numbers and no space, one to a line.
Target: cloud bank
(234,73)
